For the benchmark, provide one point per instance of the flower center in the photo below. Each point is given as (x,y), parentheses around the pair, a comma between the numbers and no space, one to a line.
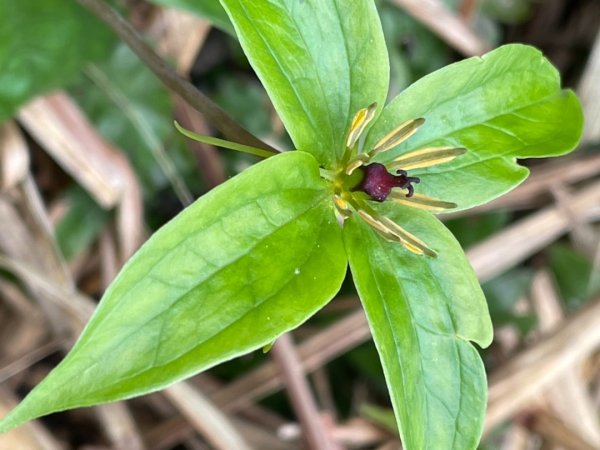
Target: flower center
(358,174)
(378,182)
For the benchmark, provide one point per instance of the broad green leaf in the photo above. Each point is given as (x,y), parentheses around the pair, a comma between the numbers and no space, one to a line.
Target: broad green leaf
(209,9)
(423,312)
(475,228)
(34,56)
(247,262)
(507,104)
(320,63)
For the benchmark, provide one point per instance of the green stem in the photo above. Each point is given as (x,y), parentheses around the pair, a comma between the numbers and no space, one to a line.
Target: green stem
(224,144)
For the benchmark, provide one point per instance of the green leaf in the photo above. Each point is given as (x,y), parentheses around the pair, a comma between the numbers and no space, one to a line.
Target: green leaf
(320,62)
(33,54)
(505,105)
(252,259)
(423,312)
(209,9)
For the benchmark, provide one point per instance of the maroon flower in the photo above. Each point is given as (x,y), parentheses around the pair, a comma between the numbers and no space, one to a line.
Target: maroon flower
(360,174)
(378,182)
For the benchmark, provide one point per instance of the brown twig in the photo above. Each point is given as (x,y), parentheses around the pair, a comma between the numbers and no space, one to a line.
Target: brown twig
(524,238)
(119,426)
(205,417)
(436,16)
(529,373)
(590,95)
(10,369)
(213,113)
(568,395)
(14,156)
(467,9)
(556,431)
(299,393)
(560,172)
(345,334)
(179,37)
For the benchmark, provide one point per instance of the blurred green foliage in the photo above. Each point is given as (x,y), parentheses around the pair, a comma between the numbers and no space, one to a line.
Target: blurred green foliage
(414,51)
(130,107)
(81,224)
(576,277)
(43,45)
(472,229)
(503,294)
(209,9)
(507,11)
(246,101)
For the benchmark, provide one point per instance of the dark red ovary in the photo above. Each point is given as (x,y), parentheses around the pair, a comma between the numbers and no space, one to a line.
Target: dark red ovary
(378,182)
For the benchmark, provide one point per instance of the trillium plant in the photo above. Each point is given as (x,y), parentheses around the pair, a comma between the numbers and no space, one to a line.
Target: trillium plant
(260,254)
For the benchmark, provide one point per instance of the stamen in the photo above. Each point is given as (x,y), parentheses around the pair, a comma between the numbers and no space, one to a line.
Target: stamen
(410,241)
(359,123)
(394,232)
(378,226)
(342,206)
(420,201)
(397,136)
(426,157)
(359,160)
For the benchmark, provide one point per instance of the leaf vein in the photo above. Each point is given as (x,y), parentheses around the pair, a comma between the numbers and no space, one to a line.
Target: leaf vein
(223,329)
(395,338)
(275,58)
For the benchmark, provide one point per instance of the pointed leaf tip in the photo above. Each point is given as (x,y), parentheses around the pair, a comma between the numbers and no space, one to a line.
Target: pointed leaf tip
(196,293)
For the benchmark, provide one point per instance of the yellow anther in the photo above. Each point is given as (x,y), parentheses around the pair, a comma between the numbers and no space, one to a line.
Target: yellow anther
(397,136)
(426,157)
(359,160)
(420,201)
(359,123)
